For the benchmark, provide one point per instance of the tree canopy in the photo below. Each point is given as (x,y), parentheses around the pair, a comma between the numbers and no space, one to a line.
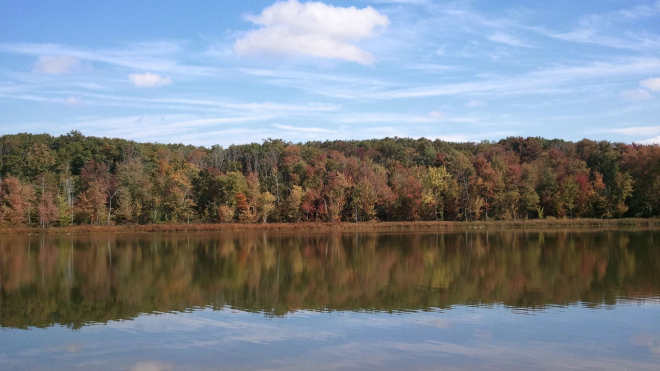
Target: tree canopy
(75,179)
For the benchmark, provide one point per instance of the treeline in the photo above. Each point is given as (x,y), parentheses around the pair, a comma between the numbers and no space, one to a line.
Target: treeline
(73,179)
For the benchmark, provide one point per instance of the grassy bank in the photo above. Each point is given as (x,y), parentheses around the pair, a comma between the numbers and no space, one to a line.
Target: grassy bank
(367,226)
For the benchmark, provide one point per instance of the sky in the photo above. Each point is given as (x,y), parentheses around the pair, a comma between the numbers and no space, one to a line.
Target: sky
(234,72)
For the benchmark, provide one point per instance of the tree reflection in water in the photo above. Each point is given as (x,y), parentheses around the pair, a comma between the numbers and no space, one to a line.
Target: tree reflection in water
(74,281)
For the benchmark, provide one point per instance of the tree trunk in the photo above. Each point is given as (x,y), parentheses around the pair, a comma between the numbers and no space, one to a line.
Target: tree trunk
(486,207)
(277,189)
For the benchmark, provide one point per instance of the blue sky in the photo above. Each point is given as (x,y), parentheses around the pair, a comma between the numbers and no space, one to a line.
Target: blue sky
(223,72)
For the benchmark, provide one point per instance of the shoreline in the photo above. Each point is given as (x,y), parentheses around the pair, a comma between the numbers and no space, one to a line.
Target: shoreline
(343,226)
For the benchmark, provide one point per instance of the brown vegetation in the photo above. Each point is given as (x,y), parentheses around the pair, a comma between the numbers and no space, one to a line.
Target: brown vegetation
(342,226)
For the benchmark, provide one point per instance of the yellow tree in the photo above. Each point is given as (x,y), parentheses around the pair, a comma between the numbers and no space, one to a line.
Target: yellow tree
(181,189)
(435,182)
(266,204)
(364,199)
(335,192)
(293,203)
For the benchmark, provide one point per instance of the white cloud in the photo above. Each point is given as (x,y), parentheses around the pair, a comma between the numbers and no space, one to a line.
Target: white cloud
(507,39)
(72,101)
(632,41)
(152,366)
(313,29)
(393,117)
(537,82)
(634,130)
(405,2)
(266,109)
(624,15)
(635,95)
(185,128)
(475,103)
(438,115)
(605,29)
(455,138)
(430,67)
(58,64)
(148,80)
(302,129)
(651,84)
(160,56)
(655,140)
(215,121)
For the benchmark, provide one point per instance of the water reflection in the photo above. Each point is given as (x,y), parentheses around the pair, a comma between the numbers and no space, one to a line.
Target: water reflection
(74,281)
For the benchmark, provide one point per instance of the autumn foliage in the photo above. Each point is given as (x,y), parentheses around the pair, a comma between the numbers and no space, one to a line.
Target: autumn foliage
(73,179)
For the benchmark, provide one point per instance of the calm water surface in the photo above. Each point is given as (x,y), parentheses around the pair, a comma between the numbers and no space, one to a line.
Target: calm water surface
(267,301)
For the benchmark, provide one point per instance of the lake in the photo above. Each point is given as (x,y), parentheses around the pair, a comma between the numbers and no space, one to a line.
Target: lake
(475,299)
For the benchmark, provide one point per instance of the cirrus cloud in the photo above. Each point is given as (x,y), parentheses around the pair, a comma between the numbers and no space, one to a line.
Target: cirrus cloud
(312,29)
(635,95)
(651,84)
(303,129)
(72,101)
(56,64)
(475,103)
(148,80)
(507,39)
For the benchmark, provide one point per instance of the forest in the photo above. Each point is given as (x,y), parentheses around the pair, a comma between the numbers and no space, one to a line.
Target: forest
(74,179)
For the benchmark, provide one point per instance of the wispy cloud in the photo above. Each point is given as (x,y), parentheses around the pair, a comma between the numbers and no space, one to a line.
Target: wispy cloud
(651,84)
(475,103)
(344,86)
(215,121)
(632,130)
(148,80)
(641,134)
(73,101)
(430,67)
(179,104)
(635,95)
(655,140)
(623,15)
(637,42)
(601,29)
(303,129)
(161,128)
(390,117)
(59,64)
(159,56)
(539,82)
(503,38)
(68,101)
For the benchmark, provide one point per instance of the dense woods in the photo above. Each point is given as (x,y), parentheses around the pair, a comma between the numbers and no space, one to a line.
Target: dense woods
(73,179)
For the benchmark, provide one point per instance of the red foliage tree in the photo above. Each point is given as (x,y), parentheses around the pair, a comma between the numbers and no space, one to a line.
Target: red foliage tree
(47,210)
